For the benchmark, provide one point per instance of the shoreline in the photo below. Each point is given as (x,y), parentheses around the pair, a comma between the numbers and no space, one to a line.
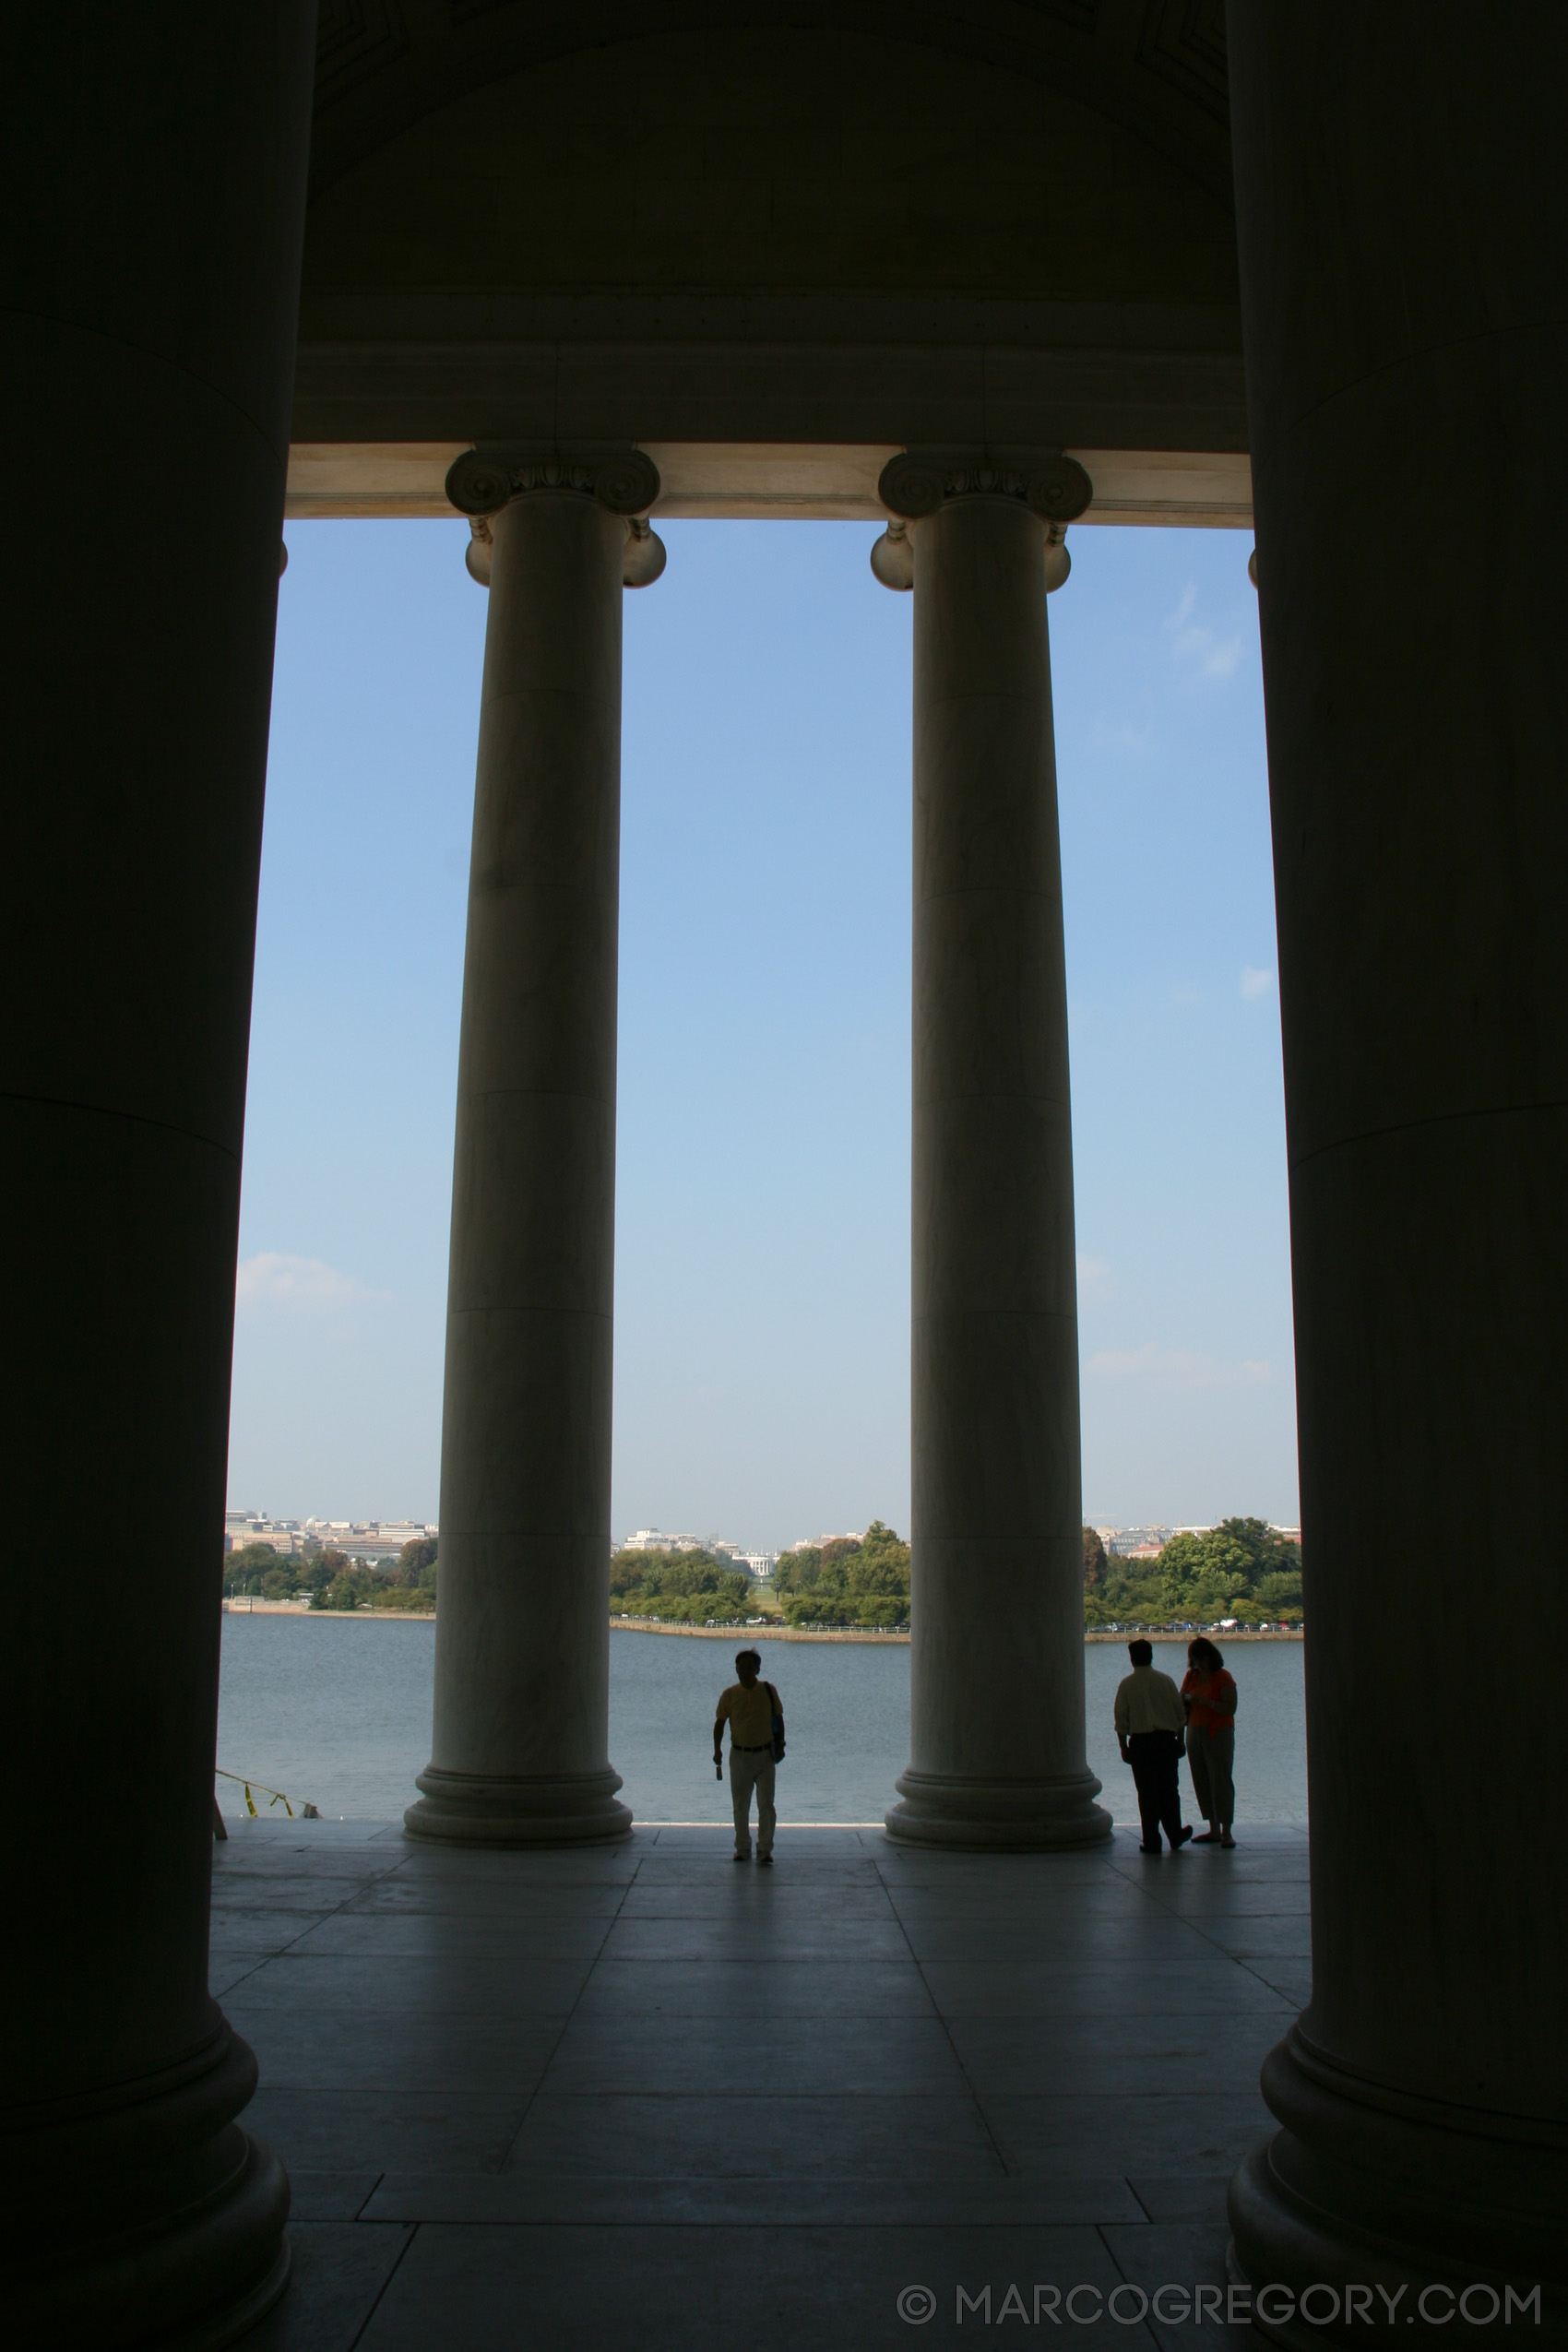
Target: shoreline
(771,1632)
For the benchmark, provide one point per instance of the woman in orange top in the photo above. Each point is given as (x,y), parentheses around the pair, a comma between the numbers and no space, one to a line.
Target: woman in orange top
(1210,1698)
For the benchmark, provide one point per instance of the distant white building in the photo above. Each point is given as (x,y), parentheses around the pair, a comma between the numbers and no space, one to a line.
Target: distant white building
(360,1538)
(755,1563)
(240,1528)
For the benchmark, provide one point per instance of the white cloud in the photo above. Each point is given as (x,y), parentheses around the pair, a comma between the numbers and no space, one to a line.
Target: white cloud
(1095,1278)
(1254,982)
(1175,1369)
(306,1286)
(1191,641)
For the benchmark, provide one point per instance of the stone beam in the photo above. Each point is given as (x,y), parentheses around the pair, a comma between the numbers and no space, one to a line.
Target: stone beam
(1209,490)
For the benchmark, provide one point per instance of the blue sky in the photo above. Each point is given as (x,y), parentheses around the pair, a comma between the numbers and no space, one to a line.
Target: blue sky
(762,1340)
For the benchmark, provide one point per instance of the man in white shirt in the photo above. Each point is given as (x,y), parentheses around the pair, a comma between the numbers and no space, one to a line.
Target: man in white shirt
(1151,1725)
(751,1709)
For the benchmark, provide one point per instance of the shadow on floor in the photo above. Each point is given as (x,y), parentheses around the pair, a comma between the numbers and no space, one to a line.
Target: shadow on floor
(648,2095)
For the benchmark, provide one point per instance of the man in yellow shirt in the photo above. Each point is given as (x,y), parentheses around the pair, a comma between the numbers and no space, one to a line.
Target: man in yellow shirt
(750,1708)
(1151,1724)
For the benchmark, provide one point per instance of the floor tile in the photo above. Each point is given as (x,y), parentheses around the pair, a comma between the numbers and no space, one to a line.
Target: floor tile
(805,1941)
(276,1891)
(398,1897)
(1286,1939)
(385,2131)
(259,1931)
(824,2290)
(330,2196)
(310,2049)
(1182,2268)
(337,2271)
(916,2136)
(1183,2196)
(1189,2057)
(730,2201)
(1021,1988)
(716,1988)
(446,1931)
(425,1983)
(729,2057)
(1124,2131)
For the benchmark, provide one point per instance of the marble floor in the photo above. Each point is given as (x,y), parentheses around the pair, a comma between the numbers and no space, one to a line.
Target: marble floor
(649,2096)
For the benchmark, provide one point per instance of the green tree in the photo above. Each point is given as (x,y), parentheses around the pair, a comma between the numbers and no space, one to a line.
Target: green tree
(413,1562)
(848,1581)
(1094,1560)
(688,1587)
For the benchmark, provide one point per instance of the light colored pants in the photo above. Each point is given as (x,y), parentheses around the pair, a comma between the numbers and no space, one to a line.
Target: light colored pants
(1210,1756)
(749,1771)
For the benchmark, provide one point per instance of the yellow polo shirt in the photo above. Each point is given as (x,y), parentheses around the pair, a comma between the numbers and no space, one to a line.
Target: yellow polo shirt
(749,1715)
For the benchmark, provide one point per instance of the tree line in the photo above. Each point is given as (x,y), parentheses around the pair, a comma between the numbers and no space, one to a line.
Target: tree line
(330,1579)
(851,1581)
(847,1581)
(684,1588)
(1240,1570)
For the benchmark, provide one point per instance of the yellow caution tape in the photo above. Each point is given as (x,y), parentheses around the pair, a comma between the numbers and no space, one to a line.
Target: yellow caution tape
(276,1796)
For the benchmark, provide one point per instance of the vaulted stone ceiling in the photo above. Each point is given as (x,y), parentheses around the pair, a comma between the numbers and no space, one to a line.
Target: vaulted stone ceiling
(874,221)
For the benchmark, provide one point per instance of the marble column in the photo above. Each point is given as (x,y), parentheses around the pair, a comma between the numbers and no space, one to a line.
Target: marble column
(519,1753)
(156,164)
(997,1652)
(1400,190)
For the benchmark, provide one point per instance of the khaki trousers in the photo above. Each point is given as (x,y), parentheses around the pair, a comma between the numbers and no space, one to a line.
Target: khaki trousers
(1210,1758)
(750,1770)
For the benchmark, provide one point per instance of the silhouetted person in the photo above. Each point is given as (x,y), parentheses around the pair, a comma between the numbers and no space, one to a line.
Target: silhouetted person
(1151,1723)
(1209,1695)
(752,1710)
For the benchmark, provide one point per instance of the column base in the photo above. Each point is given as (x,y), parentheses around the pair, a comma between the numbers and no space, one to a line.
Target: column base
(1389,2196)
(153,2219)
(998,1816)
(546,1809)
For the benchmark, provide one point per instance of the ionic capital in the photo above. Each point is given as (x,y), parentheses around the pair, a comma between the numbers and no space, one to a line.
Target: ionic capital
(1049,484)
(483,481)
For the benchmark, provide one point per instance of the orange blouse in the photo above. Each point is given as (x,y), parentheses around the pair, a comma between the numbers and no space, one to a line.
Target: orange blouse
(1203,1691)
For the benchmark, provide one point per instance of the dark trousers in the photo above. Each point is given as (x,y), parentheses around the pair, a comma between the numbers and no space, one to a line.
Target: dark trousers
(1155,1759)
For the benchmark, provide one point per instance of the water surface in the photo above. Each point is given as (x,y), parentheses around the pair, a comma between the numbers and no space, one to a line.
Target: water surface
(336,1709)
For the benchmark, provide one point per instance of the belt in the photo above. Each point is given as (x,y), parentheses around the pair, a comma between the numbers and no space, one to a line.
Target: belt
(737,1749)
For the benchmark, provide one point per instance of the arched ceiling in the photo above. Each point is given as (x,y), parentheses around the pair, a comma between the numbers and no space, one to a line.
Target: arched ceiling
(726,221)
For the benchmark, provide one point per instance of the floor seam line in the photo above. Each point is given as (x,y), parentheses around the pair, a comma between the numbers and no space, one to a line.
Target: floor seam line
(1118,2266)
(413,2232)
(946,2029)
(565,2021)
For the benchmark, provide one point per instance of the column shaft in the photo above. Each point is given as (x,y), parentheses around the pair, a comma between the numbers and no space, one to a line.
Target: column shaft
(146,343)
(997,1665)
(1400,195)
(519,1753)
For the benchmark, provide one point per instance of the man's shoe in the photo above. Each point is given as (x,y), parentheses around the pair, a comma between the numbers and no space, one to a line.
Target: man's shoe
(742,1857)
(1227,1839)
(1177,1843)
(1206,1838)
(765,1861)
(1151,1850)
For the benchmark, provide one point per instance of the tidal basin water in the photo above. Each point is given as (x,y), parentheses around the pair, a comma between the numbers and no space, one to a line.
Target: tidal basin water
(337,1711)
